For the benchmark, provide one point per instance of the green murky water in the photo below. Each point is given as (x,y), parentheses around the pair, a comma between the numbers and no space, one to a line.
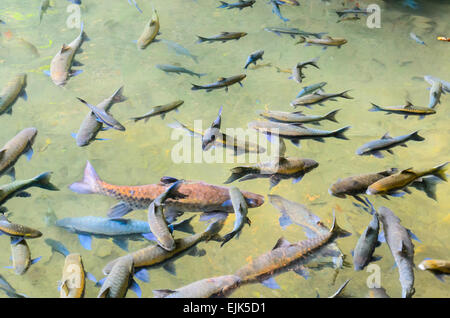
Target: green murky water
(378,65)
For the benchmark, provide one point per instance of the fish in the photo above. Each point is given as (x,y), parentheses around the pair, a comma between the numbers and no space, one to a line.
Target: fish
(17,232)
(296,133)
(213,287)
(21,257)
(222,37)
(347,18)
(210,134)
(340,292)
(221,83)
(318,98)
(61,64)
(238,146)
(119,280)
(276,10)
(294,32)
(73,281)
(21,144)
(57,246)
(178,70)
(17,188)
(438,267)
(431,79)
(161,110)
(358,184)
(200,196)
(241,4)
(150,32)
(179,50)
(298,117)
(252,58)
(157,221)
(14,89)
(240,213)
(392,184)
(45,4)
(288,255)
(443,38)
(436,91)
(410,3)
(416,38)
(28,46)
(367,242)
(325,42)
(90,126)
(155,255)
(289,2)
(386,143)
(297,213)
(75,1)
(103,117)
(119,229)
(135,4)
(8,289)
(297,74)
(402,248)
(407,110)
(276,170)
(355,11)
(310,89)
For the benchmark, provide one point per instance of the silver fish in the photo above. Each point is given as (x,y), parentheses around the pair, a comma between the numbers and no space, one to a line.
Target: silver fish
(104,117)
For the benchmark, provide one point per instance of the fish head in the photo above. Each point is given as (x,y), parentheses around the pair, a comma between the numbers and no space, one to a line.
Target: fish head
(310,164)
(253,200)
(362,151)
(31,134)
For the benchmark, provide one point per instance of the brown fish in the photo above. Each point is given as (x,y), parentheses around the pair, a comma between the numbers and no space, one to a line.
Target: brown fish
(11,92)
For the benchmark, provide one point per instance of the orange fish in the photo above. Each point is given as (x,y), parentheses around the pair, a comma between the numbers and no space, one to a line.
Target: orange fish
(443,38)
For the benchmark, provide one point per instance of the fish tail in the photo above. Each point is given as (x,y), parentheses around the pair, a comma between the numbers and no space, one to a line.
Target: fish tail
(345,95)
(439,171)
(332,115)
(415,136)
(90,181)
(201,74)
(375,108)
(228,237)
(118,97)
(201,39)
(83,34)
(340,133)
(212,231)
(196,87)
(337,231)
(224,5)
(238,172)
(185,226)
(43,181)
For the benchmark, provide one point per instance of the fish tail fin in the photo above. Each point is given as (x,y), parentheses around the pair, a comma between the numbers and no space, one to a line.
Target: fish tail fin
(118,97)
(83,34)
(340,133)
(201,39)
(43,181)
(196,87)
(415,136)
(375,108)
(439,171)
(237,173)
(90,181)
(345,95)
(185,226)
(331,116)
(224,5)
(228,237)
(337,231)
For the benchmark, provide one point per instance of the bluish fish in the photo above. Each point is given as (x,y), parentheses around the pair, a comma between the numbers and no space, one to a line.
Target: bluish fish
(416,38)
(255,56)
(241,4)
(103,117)
(135,4)
(177,70)
(410,3)
(179,50)
(276,10)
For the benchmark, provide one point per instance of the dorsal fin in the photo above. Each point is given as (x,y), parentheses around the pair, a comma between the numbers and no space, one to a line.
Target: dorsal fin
(64,48)
(224,33)
(282,242)
(409,170)
(328,37)
(220,79)
(408,104)
(161,293)
(168,180)
(386,136)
